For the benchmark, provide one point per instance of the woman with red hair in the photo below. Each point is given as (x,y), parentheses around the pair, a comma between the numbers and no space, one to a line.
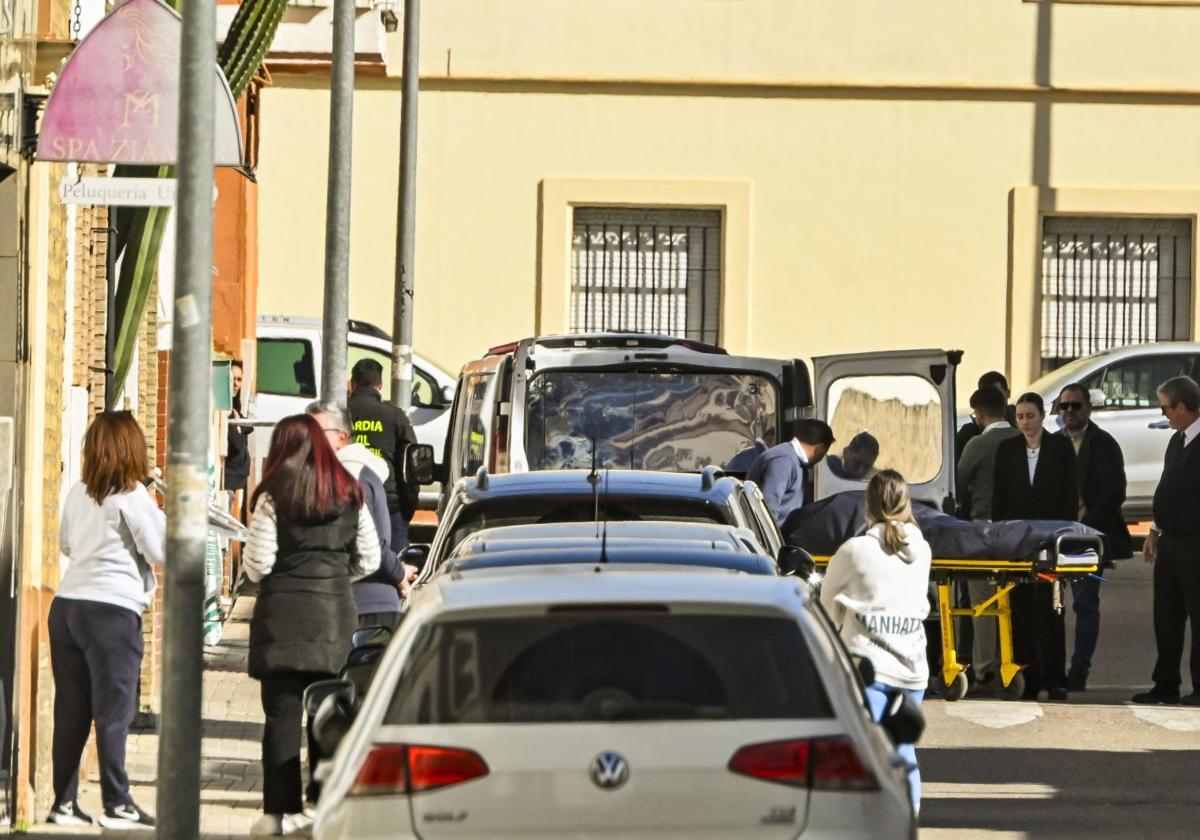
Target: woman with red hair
(310,537)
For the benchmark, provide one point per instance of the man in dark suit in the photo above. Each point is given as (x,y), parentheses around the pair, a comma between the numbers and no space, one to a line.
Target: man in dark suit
(1173,545)
(1100,466)
(784,472)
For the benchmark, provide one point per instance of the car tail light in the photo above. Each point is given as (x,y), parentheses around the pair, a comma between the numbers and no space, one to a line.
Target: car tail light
(391,769)
(785,762)
(435,767)
(836,765)
(385,771)
(816,763)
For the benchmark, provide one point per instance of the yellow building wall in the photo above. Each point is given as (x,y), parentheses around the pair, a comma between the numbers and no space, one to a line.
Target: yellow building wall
(882,149)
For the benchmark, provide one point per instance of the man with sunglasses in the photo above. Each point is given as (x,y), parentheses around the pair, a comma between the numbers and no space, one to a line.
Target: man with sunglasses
(1173,546)
(1100,466)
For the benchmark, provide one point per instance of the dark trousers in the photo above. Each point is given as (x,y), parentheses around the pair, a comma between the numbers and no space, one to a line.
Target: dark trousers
(1176,600)
(96,654)
(1039,636)
(282,695)
(399,531)
(390,620)
(1086,592)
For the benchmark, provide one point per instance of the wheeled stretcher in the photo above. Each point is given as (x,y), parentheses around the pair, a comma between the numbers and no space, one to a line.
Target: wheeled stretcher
(1069,556)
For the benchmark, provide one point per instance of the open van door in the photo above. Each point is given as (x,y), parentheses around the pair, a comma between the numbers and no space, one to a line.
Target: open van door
(893,409)
(479,432)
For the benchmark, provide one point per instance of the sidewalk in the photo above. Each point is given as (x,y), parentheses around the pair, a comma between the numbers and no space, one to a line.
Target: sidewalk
(231,775)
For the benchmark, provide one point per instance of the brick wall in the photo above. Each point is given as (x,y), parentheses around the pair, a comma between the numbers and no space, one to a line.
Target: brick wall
(51,470)
(157,365)
(91,304)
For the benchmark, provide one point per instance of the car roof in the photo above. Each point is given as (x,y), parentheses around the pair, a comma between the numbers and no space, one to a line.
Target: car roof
(600,552)
(1055,379)
(543,586)
(508,537)
(718,489)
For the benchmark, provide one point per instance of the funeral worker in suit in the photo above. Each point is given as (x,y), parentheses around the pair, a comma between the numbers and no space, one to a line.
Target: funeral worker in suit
(1100,467)
(1035,479)
(1173,546)
(784,472)
(976,480)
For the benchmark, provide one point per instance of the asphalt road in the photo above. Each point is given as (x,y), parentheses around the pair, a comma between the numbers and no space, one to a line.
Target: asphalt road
(1095,766)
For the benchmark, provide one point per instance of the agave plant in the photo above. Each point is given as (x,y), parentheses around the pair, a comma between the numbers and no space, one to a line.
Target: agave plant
(140,229)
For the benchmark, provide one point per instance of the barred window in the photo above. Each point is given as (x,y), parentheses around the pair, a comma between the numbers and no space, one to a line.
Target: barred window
(1113,281)
(643,269)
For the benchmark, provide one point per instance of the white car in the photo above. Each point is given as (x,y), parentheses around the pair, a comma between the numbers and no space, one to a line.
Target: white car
(596,701)
(1127,379)
(288,373)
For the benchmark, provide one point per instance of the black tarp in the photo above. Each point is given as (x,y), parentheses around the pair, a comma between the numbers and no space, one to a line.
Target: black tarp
(822,527)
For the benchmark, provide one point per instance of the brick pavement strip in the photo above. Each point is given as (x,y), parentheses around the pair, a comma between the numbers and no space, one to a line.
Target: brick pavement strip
(231,775)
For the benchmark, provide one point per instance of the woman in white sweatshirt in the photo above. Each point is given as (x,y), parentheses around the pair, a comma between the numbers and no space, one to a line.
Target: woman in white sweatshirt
(113,533)
(876,592)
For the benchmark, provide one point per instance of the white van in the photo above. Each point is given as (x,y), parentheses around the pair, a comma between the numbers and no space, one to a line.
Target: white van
(288,371)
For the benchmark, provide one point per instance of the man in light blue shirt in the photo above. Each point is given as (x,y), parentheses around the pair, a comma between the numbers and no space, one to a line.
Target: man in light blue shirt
(783,472)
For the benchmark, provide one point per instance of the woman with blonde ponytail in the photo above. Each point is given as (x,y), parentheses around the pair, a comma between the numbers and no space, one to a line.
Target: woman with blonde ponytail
(876,592)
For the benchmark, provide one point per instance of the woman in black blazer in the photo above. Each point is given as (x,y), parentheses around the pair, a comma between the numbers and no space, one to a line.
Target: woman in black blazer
(1035,479)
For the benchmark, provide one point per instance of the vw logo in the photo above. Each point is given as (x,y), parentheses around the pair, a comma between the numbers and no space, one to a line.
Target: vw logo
(609,770)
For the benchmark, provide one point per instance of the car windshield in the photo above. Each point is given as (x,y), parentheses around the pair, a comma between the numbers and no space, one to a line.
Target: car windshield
(613,665)
(526,510)
(674,421)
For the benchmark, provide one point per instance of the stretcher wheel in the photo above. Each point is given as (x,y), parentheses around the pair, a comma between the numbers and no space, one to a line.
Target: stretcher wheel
(956,689)
(1015,689)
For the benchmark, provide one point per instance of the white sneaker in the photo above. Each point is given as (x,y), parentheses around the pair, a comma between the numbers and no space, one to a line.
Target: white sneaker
(297,825)
(267,825)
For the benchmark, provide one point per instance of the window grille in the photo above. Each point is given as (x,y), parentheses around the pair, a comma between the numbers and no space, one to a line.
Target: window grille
(1113,281)
(651,270)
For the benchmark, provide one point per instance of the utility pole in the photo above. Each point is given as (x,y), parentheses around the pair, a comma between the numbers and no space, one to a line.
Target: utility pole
(337,205)
(406,223)
(178,802)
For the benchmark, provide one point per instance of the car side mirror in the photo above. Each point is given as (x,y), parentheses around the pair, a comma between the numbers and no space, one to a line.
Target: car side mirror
(375,634)
(794,560)
(865,668)
(903,720)
(418,463)
(1097,397)
(335,713)
(359,674)
(415,554)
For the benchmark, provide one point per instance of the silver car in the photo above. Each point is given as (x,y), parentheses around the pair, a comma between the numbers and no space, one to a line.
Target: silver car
(1122,383)
(601,701)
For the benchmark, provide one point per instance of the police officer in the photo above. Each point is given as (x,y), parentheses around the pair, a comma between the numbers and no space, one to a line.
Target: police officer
(385,430)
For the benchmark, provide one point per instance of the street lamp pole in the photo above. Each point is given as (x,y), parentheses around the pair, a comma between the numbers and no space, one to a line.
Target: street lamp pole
(337,205)
(178,802)
(406,224)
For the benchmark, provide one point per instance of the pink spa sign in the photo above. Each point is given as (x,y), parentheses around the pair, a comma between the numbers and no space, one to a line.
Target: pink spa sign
(117,100)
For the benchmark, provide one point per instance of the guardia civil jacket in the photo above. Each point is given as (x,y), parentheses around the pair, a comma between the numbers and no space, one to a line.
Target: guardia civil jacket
(385,430)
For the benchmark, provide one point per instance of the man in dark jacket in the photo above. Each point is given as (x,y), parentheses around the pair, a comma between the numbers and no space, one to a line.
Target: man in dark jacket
(377,596)
(1100,466)
(1173,546)
(385,430)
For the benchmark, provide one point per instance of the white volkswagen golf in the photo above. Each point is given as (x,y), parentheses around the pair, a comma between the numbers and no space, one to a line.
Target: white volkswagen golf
(601,701)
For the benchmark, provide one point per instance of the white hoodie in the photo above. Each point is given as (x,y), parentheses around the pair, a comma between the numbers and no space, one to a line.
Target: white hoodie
(355,456)
(878,601)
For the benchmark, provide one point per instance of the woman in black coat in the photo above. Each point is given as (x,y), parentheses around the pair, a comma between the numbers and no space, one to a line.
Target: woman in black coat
(1035,479)
(310,537)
